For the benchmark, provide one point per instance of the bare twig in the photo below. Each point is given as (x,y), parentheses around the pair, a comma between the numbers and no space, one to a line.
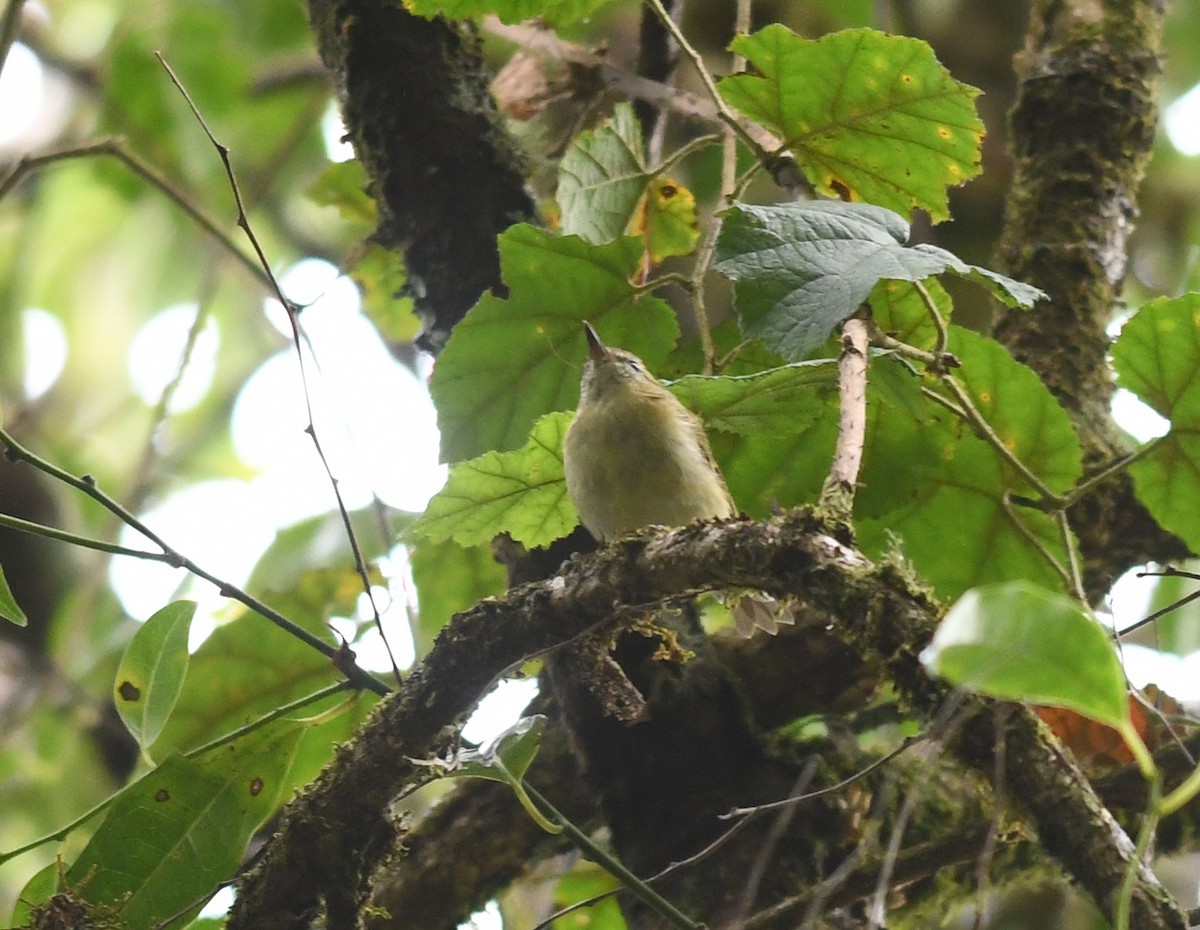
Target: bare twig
(243,222)
(116,148)
(852,424)
(87,484)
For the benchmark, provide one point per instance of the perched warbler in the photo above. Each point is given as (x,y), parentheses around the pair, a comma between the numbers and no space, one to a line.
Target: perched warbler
(634,456)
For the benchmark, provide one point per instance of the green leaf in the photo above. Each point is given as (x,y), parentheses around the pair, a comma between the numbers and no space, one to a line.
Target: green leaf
(152,671)
(1018,642)
(556,13)
(1021,411)
(522,493)
(380,277)
(778,402)
(449,579)
(344,185)
(320,542)
(900,311)
(1157,357)
(929,480)
(869,117)
(801,269)
(248,667)
(191,819)
(10,610)
(511,361)
(602,177)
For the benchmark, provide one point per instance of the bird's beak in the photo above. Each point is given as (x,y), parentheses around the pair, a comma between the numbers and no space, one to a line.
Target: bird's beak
(597,350)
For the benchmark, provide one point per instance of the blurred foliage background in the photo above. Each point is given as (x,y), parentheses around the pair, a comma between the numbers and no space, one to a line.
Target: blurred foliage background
(141,349)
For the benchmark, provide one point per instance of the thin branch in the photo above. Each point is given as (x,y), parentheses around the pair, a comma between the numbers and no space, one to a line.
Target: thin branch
(87,484)
(84,542)
(985,432)
(1084,487)
(641,889)
(905,744)
(116,148)
(710,85)
(243,222)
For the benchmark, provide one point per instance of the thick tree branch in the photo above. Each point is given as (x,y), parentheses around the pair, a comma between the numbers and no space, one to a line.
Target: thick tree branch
(445,175)
(1081,135)
(334,835)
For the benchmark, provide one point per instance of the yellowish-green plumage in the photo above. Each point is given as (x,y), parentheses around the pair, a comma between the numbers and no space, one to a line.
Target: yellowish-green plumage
(634,456)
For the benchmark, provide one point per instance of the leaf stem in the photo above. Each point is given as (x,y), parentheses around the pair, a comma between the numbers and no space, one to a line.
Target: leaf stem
(87,484)
(710,85)
(648,895)
(84,542)
(1145,835)
(243,222)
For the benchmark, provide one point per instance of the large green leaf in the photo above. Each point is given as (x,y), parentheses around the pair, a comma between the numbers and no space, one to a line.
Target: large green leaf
(803,268)
(928,479)
(1022,643)
(776,402)
(869,117)
(181,830)
(601,178)
(152,670)
(511,361)
(1157,357)
(522,493)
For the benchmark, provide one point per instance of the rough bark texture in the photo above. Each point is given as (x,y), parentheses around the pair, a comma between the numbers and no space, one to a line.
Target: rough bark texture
(446,177)
(332,838)
(1081,134)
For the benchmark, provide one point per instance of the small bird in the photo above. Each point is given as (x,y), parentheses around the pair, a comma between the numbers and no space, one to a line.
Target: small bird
(634,456)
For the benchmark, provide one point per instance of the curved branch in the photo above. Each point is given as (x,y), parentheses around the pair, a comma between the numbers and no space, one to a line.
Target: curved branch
(333,836)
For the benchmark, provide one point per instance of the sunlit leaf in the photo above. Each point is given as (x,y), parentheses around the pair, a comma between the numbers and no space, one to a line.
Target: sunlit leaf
(380,277)
(522,493)
(192,819)
(450,579)
(1157,357)
(1022,643)
(152,670)
(248,667)
(803,268)
(602,177)
(344,185)
(667,220)
(869,117)
(512,360)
